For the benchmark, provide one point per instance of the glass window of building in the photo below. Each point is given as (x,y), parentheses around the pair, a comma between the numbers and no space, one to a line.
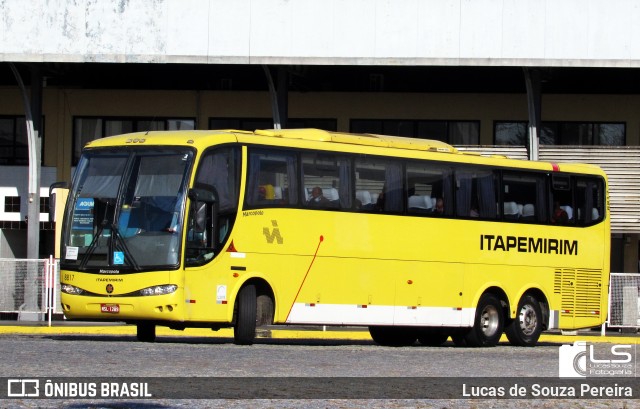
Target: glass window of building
(14,146)
(251,124)
(562,133)
(453,132)
(87,129)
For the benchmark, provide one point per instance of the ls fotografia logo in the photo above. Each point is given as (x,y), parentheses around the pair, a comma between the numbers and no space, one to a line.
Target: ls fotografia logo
(599,360)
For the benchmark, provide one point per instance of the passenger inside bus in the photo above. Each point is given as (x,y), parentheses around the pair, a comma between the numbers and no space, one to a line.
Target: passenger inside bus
(266,192)
(559,215)
(439,208)
(380,201)
(473,212)
(317,199)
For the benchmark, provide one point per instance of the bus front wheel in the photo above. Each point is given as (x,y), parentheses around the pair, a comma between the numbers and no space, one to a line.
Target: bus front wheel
(146,332)
(244,331)
(525,329)
(488,323)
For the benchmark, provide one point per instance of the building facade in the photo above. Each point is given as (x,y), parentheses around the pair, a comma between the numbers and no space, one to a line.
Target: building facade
(473,73)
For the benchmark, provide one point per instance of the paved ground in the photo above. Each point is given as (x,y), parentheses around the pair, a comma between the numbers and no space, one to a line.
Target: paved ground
(275,332)
(89,348)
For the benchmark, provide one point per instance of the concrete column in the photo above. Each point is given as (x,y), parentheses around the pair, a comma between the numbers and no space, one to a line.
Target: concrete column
(275,111)
(33,116)
(534,107)
(279,94)
(283,95)
(33,222)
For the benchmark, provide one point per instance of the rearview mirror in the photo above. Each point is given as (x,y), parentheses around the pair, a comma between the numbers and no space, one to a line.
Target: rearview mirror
(52,198)
(201,199)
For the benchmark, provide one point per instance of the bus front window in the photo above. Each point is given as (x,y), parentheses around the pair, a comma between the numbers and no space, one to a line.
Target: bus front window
(127,210)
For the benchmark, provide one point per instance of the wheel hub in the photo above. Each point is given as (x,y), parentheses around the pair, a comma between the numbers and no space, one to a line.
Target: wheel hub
(490,320)
(528,320)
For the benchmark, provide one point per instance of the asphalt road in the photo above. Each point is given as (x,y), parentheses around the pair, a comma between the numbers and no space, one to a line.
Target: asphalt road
(106,357)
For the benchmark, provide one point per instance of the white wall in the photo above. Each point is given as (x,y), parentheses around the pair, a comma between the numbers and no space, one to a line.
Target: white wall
(14,181)
(392,32)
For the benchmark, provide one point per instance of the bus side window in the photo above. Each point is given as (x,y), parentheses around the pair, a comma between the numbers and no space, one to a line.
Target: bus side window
(562,211)
(476,194)
(271,178)
(524,197)
(219,168)
(330,175)
(589,200)
(383,179)
(428,188)
(218,171)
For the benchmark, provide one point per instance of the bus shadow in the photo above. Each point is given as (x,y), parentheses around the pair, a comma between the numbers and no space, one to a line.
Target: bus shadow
(195,340)
(192,340)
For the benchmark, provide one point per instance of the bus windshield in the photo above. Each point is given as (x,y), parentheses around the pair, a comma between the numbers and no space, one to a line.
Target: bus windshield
(126,210)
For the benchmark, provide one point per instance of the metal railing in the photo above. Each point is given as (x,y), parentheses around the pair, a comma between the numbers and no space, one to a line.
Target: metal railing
(624,308)
(30,288)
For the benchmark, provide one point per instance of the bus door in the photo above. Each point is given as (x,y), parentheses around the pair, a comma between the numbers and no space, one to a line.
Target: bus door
(214,204)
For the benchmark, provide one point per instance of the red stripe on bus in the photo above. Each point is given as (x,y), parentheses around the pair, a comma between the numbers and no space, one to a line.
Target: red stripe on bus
(305,277)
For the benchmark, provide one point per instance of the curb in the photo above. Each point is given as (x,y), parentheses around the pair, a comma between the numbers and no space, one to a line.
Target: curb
(361,335)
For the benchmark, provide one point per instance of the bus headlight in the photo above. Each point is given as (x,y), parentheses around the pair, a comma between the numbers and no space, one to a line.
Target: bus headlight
(159,289)
(71,289)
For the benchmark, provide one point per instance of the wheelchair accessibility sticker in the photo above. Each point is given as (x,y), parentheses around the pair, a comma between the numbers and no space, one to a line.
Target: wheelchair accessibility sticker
(118,257)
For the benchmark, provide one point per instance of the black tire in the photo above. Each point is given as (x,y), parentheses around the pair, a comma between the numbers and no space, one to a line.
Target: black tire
(244,331)
(146,332)
(459,340)
(433,338)
(488,324)
(393,336)
(525,329)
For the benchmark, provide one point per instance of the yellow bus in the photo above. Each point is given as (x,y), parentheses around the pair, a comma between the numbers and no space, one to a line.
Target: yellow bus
(408,237)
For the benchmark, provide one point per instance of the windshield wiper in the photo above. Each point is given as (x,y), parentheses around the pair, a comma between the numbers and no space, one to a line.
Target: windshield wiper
(92,246)
(116,242)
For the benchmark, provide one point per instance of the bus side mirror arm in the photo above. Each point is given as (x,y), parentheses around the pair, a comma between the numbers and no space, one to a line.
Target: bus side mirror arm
(52,198)
(200,200)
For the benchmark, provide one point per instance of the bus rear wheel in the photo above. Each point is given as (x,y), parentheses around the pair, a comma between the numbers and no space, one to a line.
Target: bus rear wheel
(526,328)
(244,330)
(146,332)
(488,323)
(393,336)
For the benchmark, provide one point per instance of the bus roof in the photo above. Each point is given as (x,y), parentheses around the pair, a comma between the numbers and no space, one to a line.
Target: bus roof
(317,135)
(360,139)
(202,138)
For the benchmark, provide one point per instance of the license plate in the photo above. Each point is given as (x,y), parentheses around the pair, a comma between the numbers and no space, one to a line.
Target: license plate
(110,308)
